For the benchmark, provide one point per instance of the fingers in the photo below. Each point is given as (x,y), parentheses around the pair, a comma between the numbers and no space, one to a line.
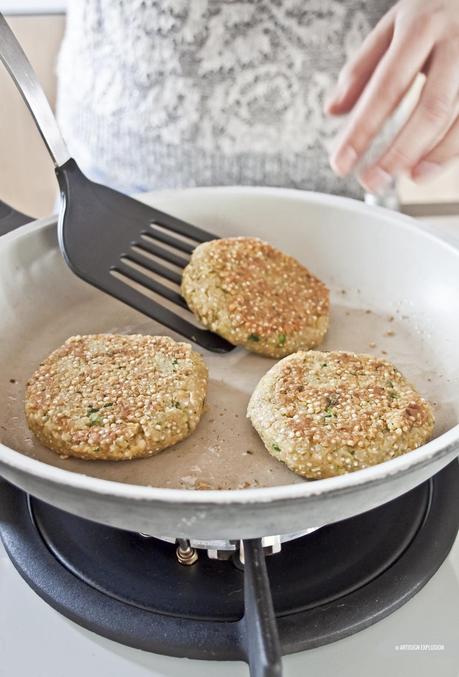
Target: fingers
(390,81)
(433,162)
(356,73)
(429,121)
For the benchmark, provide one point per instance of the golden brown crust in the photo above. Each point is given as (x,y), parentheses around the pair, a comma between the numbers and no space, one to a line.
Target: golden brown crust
(256,296)
(113,397)
(326,414)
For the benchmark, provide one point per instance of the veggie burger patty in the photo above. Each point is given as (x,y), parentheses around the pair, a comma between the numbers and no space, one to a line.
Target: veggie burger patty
(112,397)
(256,296)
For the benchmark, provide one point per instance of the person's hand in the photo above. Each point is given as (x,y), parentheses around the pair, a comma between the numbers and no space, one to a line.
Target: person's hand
(415,36)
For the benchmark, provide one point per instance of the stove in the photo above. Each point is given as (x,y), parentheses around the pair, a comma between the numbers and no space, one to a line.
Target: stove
(174,599)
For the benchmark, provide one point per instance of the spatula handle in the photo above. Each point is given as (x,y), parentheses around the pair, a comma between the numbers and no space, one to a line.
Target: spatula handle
(26,81)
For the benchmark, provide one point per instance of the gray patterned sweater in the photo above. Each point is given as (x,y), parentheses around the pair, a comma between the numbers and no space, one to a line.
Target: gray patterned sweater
(170,93)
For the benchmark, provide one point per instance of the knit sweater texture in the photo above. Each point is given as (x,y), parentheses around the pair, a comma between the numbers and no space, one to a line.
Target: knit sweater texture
(160,94)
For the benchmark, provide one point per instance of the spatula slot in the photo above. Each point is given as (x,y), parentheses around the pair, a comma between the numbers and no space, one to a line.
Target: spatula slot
(146,260)
(164,252)
(180,237)
(183,228)
(144,277)
(176,242)
(189,326)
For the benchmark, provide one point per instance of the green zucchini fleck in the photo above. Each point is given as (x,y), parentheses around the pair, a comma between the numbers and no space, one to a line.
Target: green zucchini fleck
(94,419)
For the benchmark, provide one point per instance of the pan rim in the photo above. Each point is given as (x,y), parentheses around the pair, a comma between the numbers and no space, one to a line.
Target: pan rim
(332,486)
(439,447)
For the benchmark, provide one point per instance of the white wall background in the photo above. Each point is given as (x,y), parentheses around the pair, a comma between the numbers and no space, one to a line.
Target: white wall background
(32,6)
(27,179)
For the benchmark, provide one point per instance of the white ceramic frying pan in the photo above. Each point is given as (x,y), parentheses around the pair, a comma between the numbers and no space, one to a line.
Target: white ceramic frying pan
(395,291)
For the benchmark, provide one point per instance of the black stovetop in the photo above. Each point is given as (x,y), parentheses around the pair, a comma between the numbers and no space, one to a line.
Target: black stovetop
(324,586)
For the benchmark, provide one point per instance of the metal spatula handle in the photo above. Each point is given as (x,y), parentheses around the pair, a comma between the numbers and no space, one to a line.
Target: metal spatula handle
(26,81)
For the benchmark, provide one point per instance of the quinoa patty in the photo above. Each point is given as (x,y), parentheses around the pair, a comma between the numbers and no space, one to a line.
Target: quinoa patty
(255,296)
(326,414)
(116,397)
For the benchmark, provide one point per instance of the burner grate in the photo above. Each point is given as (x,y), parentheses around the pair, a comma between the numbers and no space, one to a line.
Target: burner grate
(332,583)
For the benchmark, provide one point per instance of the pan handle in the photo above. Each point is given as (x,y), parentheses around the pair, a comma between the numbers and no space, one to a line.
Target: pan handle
(10,219)
(26,81)
(261,638)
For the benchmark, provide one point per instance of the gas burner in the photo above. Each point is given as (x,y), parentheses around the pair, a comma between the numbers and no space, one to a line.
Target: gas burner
(188,550)
(319,588)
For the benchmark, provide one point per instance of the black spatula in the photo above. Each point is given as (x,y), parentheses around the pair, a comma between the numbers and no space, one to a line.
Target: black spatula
(118,244)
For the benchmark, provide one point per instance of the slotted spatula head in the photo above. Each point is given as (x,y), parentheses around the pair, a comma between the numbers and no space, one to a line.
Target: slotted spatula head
(131,251)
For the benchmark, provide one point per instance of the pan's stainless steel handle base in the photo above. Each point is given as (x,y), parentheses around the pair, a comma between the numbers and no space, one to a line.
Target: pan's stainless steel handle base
(18,66)
(10,219)
(261,637)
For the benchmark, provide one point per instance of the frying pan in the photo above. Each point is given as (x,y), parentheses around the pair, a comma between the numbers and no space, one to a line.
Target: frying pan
(394,291)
